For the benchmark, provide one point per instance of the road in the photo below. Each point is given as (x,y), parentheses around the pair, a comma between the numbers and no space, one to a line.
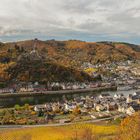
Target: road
(76,91)
(51,125)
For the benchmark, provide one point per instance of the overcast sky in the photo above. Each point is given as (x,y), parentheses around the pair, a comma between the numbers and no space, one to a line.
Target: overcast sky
(89,20)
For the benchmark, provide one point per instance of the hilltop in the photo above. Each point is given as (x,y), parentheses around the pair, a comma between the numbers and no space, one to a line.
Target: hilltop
(59,60)
(74,52)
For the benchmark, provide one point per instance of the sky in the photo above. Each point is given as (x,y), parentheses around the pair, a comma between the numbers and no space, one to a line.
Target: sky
(87,20)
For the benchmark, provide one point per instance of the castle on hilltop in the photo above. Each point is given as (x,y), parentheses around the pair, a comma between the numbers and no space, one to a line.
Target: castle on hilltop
(33,55)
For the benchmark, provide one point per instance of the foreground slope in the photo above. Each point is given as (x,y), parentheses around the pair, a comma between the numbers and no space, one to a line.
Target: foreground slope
(60,133)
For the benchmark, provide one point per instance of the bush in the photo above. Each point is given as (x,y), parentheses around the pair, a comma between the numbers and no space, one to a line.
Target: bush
(117,121)
(7,118)
(33,113)
(17,107)
(76,111)
(31,122)
(26,106)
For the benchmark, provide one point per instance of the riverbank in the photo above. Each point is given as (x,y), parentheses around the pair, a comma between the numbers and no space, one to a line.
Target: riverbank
(34,98)
(76,91)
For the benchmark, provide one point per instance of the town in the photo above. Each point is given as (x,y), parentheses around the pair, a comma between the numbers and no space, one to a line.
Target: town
(124,75)
(100,106)
(70,70)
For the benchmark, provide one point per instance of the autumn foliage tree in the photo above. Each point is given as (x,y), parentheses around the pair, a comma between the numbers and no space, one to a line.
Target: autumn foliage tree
(130,128)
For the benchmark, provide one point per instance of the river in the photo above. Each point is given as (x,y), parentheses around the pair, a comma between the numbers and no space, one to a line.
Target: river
(41,99)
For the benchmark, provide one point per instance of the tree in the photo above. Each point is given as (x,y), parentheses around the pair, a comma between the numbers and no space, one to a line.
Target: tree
(26,106)
(76,111)
(17,48)
(17,107)
(130,128)
(8,117)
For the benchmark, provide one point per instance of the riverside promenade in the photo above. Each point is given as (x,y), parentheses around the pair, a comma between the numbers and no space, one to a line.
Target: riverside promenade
(59,92)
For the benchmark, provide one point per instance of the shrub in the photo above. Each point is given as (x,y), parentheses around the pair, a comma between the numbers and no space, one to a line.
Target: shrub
(76,111)
(26,106)
(17,107)
(33,113)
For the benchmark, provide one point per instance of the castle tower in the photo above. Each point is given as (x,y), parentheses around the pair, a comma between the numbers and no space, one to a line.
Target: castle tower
(34,55)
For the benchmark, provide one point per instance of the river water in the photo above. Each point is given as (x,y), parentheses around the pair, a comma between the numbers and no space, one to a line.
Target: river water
(41,99)
(124,92)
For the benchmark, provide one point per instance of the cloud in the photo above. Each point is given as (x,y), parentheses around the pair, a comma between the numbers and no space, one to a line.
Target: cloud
(97,18)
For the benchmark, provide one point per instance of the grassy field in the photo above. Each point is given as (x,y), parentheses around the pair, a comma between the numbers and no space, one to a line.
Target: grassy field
(105,132)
